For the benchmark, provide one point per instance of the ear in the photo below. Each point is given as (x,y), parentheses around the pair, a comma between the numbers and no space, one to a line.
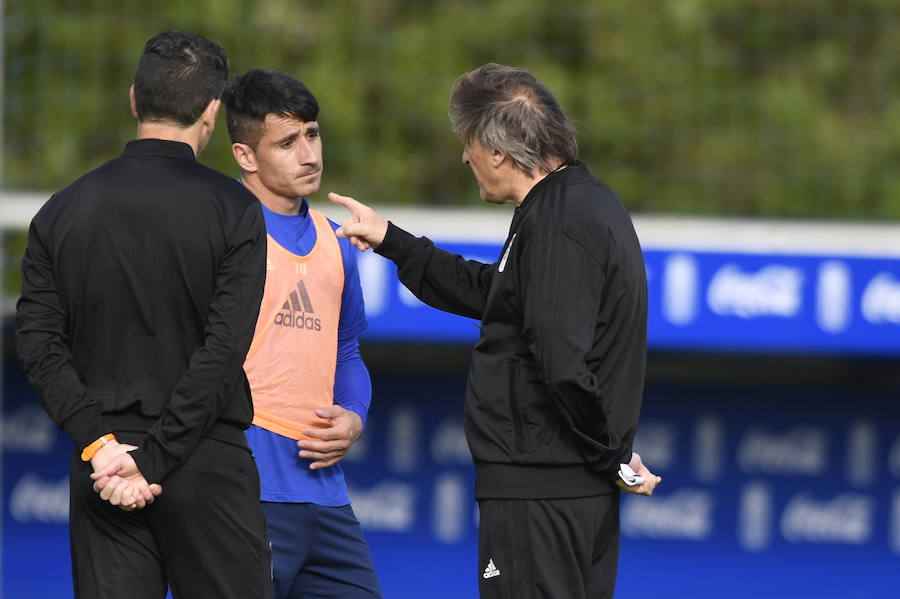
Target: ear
(497,158)
(211,112)
(245,157)
(132,101)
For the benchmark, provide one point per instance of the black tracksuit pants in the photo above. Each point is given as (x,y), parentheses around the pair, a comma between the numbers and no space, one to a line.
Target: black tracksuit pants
(548,548)
(205,535)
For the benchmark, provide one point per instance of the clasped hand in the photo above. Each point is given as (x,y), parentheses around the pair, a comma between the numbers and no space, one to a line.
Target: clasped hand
(119,481)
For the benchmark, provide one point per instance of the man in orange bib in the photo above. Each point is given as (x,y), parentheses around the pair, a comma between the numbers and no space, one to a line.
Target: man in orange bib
(310,387)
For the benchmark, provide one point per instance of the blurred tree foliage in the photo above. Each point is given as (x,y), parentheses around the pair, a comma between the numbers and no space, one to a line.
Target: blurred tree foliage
(738,107)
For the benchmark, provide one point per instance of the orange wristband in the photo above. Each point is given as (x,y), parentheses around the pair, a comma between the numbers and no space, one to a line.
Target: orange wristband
(88,454)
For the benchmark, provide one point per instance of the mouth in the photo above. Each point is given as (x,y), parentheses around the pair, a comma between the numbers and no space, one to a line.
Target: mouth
(308,175)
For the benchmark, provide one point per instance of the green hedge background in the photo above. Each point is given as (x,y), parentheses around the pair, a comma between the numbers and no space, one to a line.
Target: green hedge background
(721,107)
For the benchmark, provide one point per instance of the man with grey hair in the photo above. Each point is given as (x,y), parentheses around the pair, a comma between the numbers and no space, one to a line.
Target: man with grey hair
(556,378)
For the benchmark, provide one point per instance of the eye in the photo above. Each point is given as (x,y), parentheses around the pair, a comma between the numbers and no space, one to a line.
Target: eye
(287,143)
(313,134)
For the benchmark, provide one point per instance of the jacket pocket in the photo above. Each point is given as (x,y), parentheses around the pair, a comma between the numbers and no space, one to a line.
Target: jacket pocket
(515,410)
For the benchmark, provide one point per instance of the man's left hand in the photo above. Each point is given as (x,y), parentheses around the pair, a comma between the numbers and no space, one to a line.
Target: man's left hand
(333,441)
(639,468)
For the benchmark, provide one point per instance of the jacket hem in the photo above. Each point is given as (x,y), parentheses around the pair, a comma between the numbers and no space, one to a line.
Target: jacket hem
(527,481)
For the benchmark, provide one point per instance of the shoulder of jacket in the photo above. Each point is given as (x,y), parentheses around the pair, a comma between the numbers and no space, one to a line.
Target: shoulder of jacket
(70,192)
(573,210)
(226,187)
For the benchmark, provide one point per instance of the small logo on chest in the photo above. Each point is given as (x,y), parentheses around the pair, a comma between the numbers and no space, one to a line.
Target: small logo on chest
(506,253)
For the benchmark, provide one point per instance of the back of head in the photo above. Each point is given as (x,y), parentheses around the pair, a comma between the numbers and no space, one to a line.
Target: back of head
(177,76)
(508,109)
(259,92)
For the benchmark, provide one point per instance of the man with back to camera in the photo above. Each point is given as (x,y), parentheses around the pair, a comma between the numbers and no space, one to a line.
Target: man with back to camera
(556,378)
(310,387)
(141,287)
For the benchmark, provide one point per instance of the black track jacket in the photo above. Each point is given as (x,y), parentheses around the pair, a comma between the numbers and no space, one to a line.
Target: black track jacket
(556,378)
(141,287)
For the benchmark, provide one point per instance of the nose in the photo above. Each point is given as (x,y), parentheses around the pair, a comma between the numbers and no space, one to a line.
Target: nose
(465,156)
(306,154)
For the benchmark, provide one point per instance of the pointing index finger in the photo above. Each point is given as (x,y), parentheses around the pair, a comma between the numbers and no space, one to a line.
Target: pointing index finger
(347,202)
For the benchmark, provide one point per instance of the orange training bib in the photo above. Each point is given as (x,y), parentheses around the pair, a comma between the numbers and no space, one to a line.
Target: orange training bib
(292,359)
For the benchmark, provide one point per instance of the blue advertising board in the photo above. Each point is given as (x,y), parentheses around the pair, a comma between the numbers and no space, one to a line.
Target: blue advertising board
(781,492)
(701,300)
(776,491)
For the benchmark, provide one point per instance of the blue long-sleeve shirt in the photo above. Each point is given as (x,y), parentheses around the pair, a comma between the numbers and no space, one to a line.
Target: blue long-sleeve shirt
(284,476)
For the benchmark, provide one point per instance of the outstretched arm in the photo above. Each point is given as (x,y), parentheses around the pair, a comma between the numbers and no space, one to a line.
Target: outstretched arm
(441,279)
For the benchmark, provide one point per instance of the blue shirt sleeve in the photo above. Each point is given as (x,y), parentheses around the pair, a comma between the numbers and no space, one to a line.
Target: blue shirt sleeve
(353,309)
(352,386)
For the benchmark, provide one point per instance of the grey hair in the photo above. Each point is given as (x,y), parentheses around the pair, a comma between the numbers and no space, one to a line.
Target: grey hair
(508,109)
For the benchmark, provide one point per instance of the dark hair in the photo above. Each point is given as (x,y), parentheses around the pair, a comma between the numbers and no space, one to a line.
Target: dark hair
(259,92)
(509,110)
(177,76)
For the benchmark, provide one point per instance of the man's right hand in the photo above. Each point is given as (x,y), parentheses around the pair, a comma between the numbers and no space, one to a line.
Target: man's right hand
(365,228)
(118,480)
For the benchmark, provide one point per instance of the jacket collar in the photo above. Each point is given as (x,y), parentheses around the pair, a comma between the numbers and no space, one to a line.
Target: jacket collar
(574,172)
(159,147)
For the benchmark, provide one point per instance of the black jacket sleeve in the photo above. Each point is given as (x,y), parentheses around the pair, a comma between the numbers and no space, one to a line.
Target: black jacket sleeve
(42,341)
(442,280)
(562,286)
(216,367)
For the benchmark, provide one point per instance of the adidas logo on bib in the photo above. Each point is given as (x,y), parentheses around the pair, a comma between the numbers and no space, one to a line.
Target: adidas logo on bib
(297,311)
